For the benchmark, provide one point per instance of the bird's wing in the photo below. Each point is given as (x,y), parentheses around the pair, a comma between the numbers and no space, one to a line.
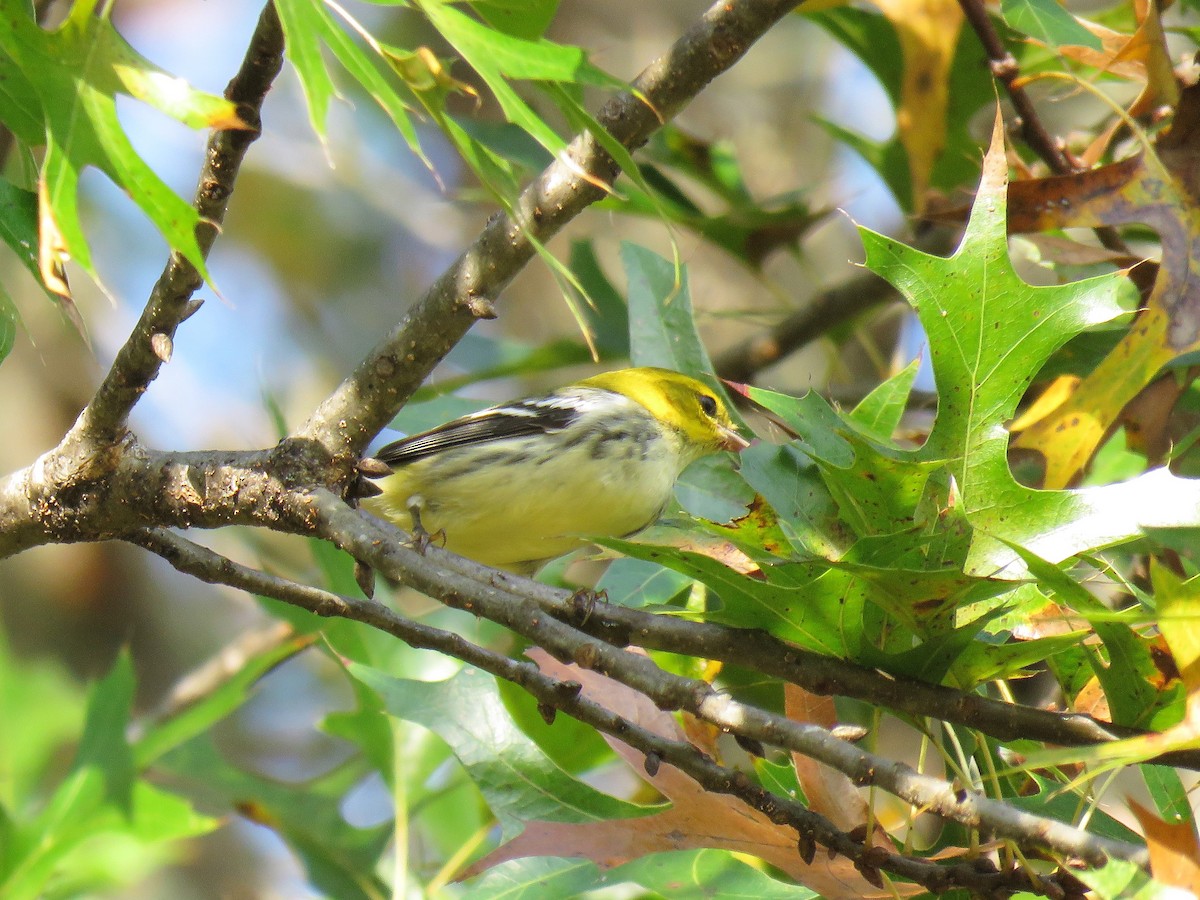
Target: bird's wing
(525,417)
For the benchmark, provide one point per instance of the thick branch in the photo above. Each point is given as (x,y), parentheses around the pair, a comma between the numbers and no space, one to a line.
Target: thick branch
(371,396)
(44,504)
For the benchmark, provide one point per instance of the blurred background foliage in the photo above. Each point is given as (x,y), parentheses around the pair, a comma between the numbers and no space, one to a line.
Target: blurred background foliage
(337,226)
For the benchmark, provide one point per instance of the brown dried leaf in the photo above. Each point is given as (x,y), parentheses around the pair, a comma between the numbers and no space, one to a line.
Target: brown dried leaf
(1174,849)
(827,790)
(697,817)
(1159,188)
(1141,56)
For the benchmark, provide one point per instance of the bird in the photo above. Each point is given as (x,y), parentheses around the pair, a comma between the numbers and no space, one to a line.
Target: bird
(518,484)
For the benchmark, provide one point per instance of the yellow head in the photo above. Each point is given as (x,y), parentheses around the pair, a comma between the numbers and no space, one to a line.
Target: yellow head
(686,405)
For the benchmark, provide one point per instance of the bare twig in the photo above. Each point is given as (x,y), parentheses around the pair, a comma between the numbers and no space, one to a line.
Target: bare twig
(226,665)
(380,545)
(1033,131)
(208,566)
(1004,68)
(821,314)
(102,421)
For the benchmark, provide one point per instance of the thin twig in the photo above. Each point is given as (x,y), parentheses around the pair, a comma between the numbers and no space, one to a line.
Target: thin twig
(1004,68)
(224,666)
(820,315)
(139,360)
(1033,131)
(204,564)
(380,545)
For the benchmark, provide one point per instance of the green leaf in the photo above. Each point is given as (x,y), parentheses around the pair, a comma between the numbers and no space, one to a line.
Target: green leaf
(1053,802)
(526,19)
(49,705)
(877,488)
(74,73)
(518,780)
(535,878)
(607,314)
(309,26)
(1120,880)
(1130,678)
(339,858)
(662,329)
(878,414)
(20,107)
(1169,795)
(18,229)
(100,800)
(103,746)
(498,57)
(636,583)
(9,319)
(1178,617)
(1048,22)
(808,604)
(748,229)
(982,662)
(989,334)
(710,489)
(804,508)
(701,874)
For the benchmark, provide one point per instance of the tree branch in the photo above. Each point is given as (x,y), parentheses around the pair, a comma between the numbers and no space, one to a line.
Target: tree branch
(208,566)
(371,396)
(102,422)
(139,488)
(380,546)
(1033,131)
(765,654)
(1004,68)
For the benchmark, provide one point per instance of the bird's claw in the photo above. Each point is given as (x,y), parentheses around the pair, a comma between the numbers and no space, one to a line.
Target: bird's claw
(422,540)
(584,601)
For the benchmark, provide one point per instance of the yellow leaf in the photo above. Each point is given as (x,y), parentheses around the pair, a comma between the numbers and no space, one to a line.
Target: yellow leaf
(928,33)
(1051,398)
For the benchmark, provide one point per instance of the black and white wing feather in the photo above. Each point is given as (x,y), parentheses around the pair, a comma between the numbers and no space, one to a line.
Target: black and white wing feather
(542,415)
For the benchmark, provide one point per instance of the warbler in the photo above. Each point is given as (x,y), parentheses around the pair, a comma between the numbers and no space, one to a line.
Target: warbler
(518,484)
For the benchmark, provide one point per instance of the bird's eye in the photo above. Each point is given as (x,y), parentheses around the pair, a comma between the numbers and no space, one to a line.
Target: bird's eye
(708,404)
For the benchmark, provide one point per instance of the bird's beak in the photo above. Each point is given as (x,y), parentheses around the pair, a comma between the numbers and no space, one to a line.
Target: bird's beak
(731,440)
